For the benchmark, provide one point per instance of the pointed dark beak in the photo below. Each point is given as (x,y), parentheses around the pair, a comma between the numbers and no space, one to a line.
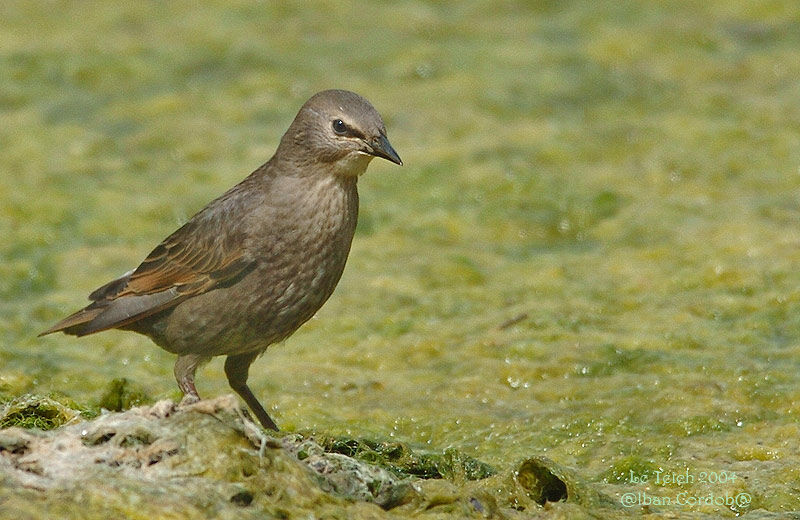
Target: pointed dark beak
(380,147)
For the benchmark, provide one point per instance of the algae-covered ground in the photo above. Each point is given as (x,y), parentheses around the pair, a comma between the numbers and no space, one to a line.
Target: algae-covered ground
(590,253)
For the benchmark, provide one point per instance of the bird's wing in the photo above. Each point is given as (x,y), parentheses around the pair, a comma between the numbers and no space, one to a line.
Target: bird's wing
(201,255)
(191,260)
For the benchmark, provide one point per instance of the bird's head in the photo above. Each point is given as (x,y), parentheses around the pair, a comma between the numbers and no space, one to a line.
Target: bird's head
(341,129)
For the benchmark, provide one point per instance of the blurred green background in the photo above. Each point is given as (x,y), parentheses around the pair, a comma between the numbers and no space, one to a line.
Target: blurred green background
(591,252)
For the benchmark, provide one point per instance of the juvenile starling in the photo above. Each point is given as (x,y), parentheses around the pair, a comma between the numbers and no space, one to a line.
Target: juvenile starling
(256,263)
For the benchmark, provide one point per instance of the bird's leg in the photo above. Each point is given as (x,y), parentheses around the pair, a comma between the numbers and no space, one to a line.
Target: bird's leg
(237,368)
(185,367)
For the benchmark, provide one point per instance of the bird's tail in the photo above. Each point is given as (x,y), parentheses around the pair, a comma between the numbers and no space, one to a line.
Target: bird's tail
(74,323)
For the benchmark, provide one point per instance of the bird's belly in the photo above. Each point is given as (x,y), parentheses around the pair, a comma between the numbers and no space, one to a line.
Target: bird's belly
(264,307)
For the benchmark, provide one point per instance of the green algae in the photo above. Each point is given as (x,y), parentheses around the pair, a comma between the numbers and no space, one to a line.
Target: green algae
(36,412)
(122,393)
(399,458)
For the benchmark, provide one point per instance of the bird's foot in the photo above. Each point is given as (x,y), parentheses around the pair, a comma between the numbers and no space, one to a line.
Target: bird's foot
(189,399)
(163,408)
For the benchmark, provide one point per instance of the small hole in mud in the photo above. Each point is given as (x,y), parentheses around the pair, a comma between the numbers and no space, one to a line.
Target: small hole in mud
(540,483)
(104,438)
(242,498)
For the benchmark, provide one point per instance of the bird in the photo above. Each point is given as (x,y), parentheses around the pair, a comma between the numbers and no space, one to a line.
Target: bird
(252,266)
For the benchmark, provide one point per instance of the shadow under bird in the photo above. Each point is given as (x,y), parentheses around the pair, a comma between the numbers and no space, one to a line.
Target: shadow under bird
(259,261)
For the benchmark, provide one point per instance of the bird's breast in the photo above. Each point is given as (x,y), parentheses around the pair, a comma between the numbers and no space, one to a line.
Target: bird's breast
(302,258)
(313,224)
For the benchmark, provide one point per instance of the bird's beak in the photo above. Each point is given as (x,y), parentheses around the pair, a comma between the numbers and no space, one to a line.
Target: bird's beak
(380,147)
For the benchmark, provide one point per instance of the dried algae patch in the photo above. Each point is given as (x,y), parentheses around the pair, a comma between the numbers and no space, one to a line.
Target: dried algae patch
(209,460)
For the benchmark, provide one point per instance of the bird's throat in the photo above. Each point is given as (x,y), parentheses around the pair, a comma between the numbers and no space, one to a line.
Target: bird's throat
(351,165)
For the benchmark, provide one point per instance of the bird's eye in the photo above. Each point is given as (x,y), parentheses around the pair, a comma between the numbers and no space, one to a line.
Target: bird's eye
(339,127)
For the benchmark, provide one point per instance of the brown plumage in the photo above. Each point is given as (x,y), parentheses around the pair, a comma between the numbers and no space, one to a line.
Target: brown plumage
(257,262)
